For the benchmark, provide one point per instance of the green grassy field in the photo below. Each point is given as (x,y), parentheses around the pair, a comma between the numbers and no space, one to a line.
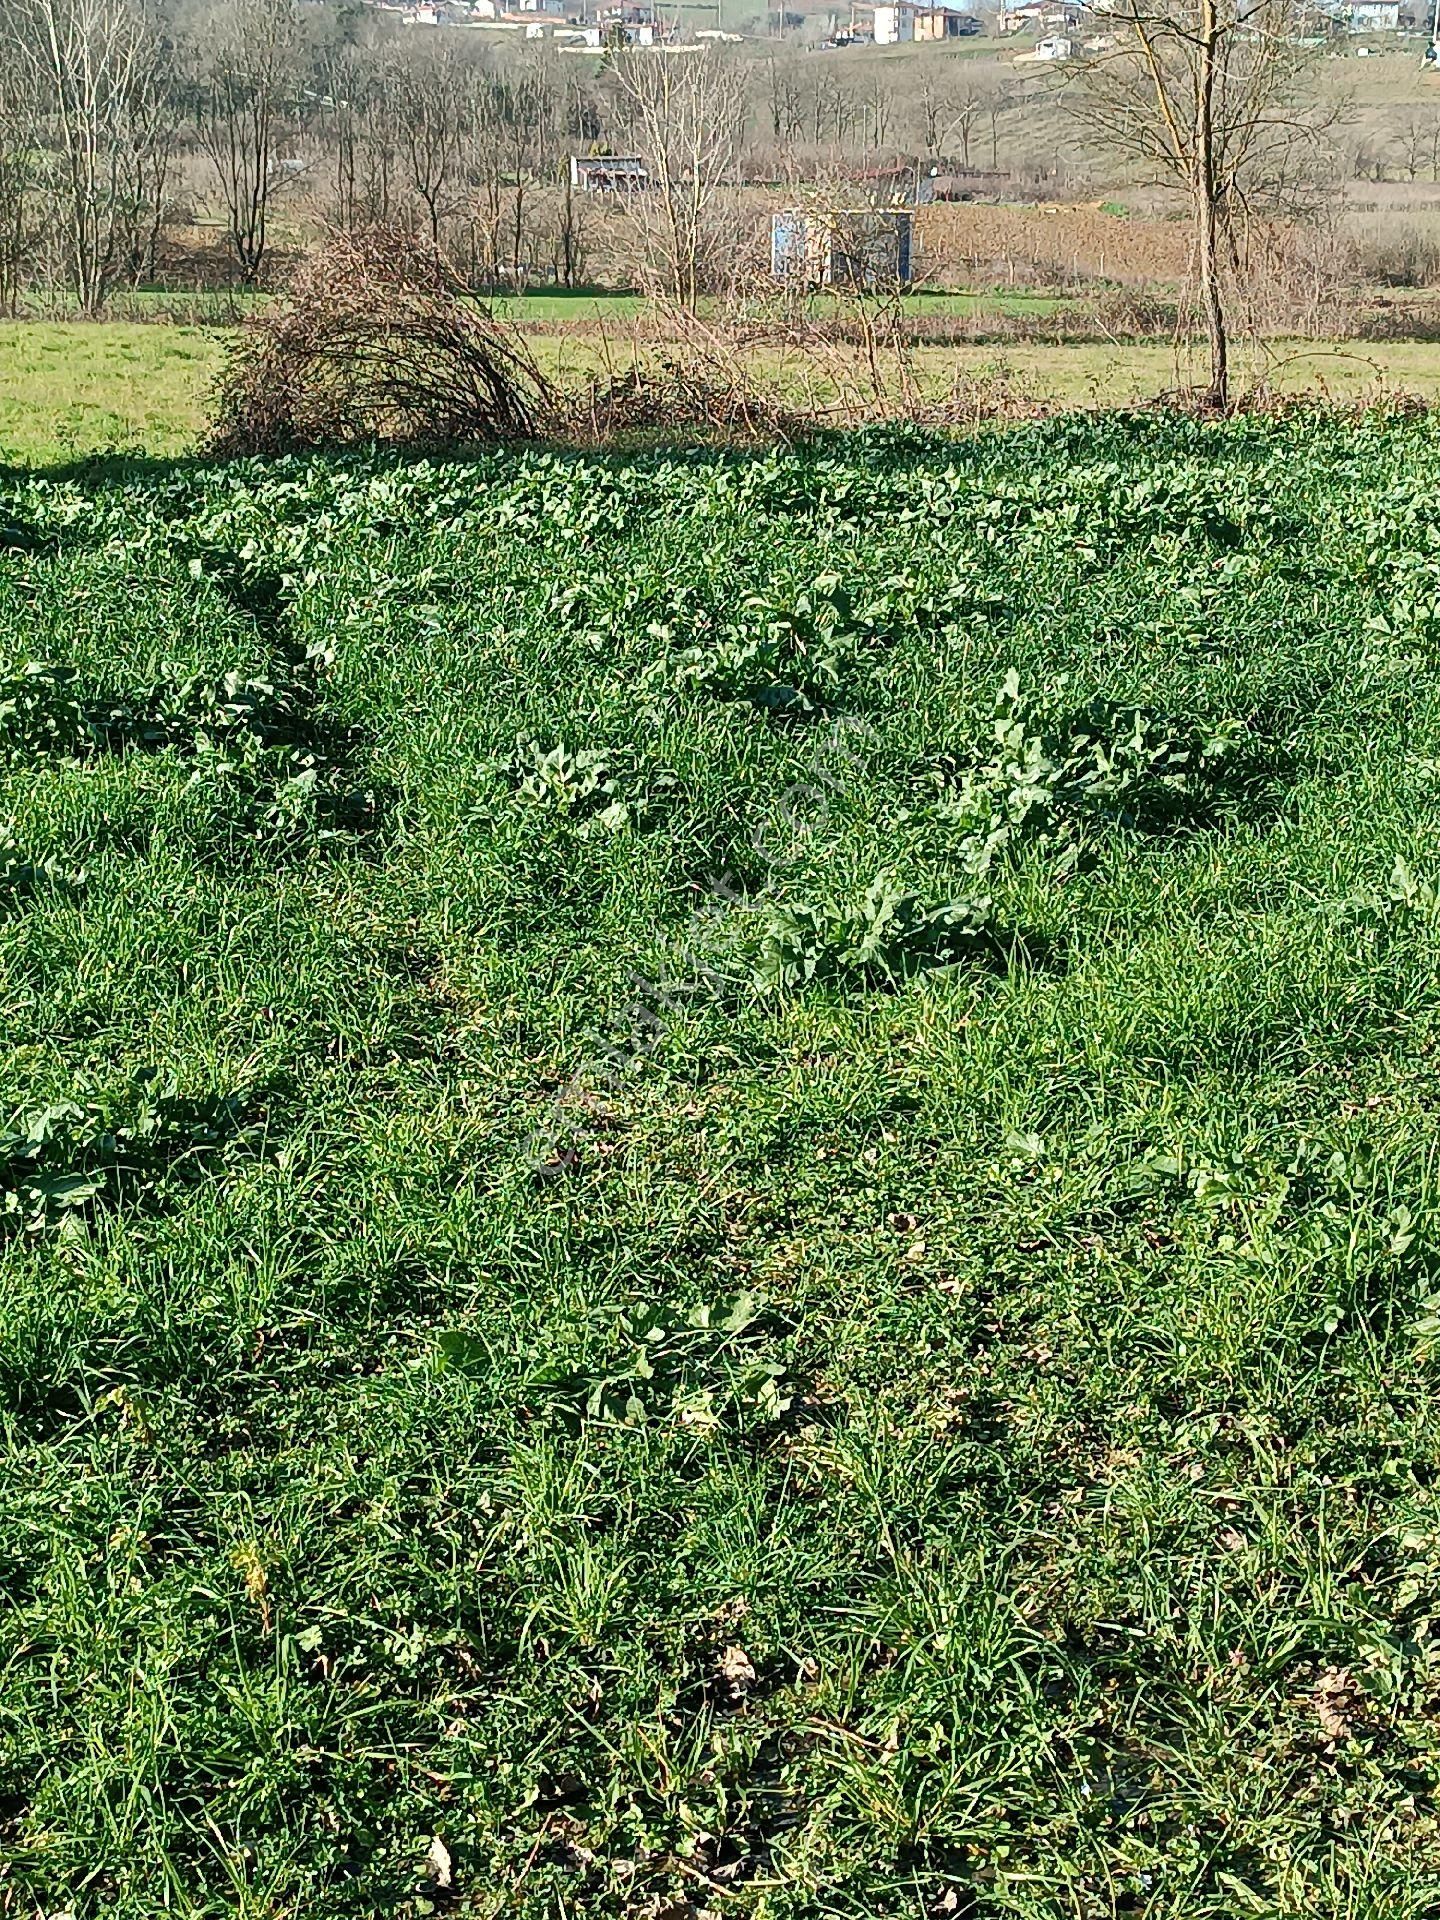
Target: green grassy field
(622,309)
(720,1190)
(69,390)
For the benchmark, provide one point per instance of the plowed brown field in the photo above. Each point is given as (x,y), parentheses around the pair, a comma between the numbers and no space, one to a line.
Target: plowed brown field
(961,239)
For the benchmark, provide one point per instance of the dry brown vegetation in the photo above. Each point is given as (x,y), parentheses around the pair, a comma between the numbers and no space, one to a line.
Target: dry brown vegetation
(375,343)
(680,391)
(1044,243)
(378,343)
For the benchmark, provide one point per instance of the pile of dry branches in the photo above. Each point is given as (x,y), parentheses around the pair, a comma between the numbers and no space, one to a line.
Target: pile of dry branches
(686,391)
(376,341)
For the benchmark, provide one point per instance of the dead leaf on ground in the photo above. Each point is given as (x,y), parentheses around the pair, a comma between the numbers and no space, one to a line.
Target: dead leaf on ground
(438,1866)
(736,1672)
(1337,1701)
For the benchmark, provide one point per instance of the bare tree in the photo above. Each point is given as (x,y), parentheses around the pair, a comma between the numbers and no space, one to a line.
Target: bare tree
(357,116)
(999,101)
(88,65)
(431,93)
(343,100)
(243,92)
(686,114)
(1416,138)
(531,125)
(568,234)
(1203,94)
(518,146)
(155,123)
(21,213)
(877,108)
(828,104)
(787,101)
(580,121)
(951,112)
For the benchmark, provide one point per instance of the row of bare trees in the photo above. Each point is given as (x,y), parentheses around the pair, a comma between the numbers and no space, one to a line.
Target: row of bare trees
(120,119)
(472,151)
(114,112)
(953,108)
(115,117)
(1405,146)
(84,136)
(99,102)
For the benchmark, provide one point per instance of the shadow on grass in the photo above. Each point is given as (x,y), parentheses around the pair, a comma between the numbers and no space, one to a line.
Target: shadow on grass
(886,450)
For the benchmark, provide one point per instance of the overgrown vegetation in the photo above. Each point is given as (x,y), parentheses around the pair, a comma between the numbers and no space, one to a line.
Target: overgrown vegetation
(1107,765)
(375,343)
(723,1276)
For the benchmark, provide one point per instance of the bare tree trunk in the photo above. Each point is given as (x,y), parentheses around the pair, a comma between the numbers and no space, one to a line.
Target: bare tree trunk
(1207,210)
(154,138)
(567,231)
(431,94)
(20,221)
(687,117)
(1208,95)
(344,84)
(243,86)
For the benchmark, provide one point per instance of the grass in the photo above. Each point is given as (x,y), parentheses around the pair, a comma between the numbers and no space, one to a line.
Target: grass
(69,390)
(720,1190)
(619,311)
(545,309)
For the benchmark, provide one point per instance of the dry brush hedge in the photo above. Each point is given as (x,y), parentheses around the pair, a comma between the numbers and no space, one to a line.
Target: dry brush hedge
(377,343)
